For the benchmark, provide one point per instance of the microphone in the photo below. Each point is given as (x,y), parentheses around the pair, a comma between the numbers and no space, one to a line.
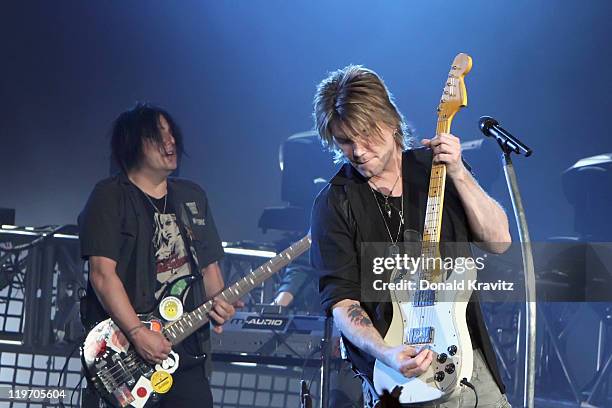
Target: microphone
(490,128)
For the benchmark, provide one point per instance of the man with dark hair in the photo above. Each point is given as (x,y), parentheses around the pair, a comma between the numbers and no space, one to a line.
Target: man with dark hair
(379,194)
(140,231)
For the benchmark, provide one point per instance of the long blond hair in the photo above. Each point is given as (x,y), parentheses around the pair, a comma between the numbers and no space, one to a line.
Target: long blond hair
(356,99)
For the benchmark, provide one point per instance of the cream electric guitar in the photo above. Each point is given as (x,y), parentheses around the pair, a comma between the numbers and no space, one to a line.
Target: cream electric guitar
(433,319)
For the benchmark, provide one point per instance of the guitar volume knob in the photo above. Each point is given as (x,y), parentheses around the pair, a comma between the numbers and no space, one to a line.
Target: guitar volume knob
(439,376)
(442,358)
(452,350)
(450,368)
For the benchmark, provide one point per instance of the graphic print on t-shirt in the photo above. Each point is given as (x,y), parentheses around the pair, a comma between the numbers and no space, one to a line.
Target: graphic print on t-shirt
(170,253)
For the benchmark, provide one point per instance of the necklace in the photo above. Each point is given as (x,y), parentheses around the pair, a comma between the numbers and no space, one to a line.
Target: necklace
(394,247)
(153,204)
(386,196)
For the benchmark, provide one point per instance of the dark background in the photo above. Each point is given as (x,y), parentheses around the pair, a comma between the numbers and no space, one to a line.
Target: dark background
(240,77)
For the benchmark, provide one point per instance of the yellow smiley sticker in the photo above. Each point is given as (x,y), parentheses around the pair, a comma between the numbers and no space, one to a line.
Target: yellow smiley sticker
(170,308)
(161,382)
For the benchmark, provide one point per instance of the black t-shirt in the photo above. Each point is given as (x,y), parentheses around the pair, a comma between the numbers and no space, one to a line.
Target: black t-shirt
(171,254)
(172,258)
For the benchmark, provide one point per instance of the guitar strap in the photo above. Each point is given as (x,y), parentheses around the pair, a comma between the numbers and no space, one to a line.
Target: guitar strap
(197,289)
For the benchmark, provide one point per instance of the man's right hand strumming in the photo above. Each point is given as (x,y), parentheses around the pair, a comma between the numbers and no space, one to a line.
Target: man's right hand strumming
(150,345)
(355,324)
(408,360)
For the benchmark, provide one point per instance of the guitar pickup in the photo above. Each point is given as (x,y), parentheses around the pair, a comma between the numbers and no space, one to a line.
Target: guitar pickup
(424,298)
(420,335)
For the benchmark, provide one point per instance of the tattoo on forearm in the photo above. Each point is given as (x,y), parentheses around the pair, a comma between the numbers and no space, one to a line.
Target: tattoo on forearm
(358,316)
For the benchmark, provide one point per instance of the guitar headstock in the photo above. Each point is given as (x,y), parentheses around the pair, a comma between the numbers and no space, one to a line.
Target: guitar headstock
(454,96)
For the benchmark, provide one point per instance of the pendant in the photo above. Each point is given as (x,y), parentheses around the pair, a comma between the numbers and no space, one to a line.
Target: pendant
(392,250)
(388,209)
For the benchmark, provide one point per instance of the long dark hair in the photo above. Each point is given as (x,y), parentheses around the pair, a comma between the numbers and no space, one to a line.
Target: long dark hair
(132,127)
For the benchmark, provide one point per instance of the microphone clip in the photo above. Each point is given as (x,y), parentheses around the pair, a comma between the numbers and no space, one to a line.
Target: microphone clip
(508,143)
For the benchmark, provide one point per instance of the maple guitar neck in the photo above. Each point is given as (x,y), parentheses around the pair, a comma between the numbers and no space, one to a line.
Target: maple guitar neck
(454,97)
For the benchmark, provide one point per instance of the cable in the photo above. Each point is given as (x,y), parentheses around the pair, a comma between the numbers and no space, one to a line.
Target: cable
(469,384)
(308,357)
(64,369)
(74,389)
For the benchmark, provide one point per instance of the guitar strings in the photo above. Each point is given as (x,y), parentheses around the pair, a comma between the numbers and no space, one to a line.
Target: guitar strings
(442,127)
(431,226)
(430,253)
(116,368)
(126,375)
(129,362)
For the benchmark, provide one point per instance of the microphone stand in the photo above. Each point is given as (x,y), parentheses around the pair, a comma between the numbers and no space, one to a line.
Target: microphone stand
(326,353)
(529,273)
(305,398)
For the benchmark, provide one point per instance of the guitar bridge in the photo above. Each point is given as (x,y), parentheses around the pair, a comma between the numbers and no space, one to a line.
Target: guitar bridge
(420,335)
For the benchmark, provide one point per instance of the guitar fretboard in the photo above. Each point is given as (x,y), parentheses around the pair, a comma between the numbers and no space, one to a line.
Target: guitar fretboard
(190,322)
(435,203)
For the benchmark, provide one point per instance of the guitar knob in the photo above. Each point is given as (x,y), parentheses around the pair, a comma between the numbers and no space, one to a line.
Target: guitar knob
(439,376)
(452,350)
(442,358)
(450,368)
